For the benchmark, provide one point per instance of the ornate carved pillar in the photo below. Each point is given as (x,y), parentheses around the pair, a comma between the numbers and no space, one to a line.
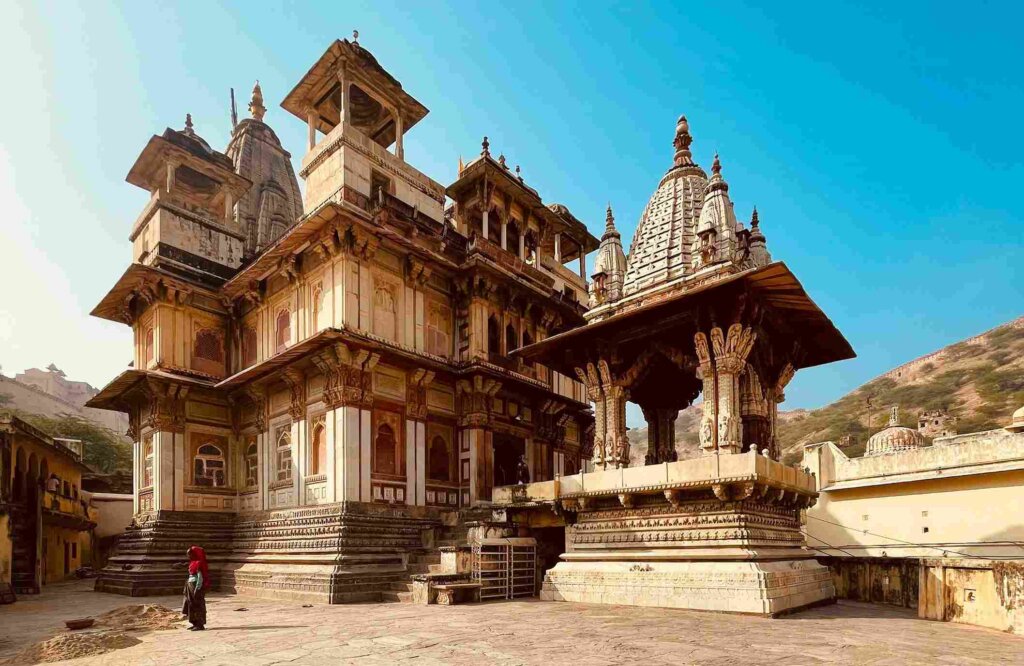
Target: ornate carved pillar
(778,395)
(756,412)
(706,373)
(661,435)
(475,399)
(731,351)
(588,377)
(616,395)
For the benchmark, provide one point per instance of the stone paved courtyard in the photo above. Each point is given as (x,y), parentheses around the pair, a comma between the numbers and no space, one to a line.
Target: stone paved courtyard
(522,632)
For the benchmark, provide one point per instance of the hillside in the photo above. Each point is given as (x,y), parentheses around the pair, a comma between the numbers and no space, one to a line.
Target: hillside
(979,380)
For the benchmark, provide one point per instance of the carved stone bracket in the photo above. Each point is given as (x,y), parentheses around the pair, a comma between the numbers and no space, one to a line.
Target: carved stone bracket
(416,393)
(476,396)
(296,381)
(166,405)
(258,396)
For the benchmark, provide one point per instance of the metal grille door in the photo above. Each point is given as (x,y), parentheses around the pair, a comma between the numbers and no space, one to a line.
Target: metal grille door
(505,568)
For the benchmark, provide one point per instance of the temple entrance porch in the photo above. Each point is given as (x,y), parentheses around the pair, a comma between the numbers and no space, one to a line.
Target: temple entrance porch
(508,451)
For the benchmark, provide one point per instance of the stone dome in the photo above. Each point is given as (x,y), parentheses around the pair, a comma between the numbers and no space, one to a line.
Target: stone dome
(1017,421)
(660,250)
(894,438)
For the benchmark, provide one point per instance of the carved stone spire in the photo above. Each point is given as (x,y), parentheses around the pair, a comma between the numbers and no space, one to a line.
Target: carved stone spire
(188,125)
(609,266)
(256,107)
(682,143)
(486,147)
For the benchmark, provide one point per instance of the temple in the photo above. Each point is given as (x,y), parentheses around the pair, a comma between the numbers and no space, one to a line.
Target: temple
(318,379)
(698,309)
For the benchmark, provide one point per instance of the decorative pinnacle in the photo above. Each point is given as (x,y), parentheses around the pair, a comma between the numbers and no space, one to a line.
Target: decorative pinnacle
(355,37)
(518,174)
(609,220)
(188,124)
(682,143)
(716,167)
(256,107)
(754,222)
(486,147)
(501,160)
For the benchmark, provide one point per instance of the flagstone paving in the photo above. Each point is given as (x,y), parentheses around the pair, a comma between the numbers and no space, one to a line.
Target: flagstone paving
(520,632)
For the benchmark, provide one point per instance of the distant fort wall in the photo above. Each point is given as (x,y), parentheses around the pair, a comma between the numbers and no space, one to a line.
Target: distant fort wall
(897,372)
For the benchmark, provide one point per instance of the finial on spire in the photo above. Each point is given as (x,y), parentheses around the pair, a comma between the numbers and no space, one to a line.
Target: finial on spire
(518,174)
(256,107)
(501,160)
(188,124)
(682,143)
(609,219)
(754,222)
(716,167)
(486,147)
(355,37)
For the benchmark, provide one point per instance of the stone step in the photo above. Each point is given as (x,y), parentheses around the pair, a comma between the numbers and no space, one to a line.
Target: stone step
(400,586)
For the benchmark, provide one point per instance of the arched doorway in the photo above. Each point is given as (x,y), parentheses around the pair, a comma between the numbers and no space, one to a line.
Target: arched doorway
(25,520)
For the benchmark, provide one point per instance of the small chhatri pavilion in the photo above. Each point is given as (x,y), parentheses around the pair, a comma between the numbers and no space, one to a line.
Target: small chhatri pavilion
(699,309)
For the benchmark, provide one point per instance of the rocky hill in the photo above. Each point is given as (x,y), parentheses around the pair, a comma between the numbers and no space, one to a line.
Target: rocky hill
(980,381)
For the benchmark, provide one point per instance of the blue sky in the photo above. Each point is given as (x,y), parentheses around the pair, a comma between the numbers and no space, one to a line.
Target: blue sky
(881,144)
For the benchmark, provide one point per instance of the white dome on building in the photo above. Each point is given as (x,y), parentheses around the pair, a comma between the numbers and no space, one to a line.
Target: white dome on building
(894,438)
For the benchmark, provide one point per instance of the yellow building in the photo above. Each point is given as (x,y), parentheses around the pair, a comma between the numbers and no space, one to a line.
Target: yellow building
(936,528)
(46,523)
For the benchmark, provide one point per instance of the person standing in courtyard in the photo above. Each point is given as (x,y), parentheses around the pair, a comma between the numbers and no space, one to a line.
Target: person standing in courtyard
(194,604)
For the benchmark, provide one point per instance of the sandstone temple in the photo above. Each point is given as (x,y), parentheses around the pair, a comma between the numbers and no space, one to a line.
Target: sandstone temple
(380,387)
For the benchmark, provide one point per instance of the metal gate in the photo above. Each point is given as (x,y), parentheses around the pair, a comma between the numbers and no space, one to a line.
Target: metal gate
(505,568)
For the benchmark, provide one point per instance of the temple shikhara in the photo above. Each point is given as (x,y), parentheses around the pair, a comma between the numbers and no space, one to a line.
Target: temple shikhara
(381,387)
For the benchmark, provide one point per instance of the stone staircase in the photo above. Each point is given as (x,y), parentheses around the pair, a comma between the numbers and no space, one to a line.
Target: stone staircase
(428,561)
(23,555)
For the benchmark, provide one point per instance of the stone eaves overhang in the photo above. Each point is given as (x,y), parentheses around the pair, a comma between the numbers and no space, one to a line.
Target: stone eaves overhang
(773,286)
(145,283)
(116,395)
(321,80)
(149,170)
(308,230)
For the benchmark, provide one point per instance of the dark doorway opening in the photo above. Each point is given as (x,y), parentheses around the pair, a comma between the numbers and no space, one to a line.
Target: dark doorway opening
(507,452)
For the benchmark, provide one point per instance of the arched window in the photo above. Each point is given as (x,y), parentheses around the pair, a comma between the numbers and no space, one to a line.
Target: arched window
(248,346)
(318,450)
(493,335)
(385,460)
(284,454)
(283,329)
(150,349)
(147,463)
(208,466)
(511,339)
(251,464)
(439,329)
(439,465)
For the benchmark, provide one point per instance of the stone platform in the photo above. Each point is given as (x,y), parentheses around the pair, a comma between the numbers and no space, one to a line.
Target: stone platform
(334,553)
(719,533)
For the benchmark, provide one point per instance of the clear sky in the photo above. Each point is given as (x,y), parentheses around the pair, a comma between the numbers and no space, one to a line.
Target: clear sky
(882,145)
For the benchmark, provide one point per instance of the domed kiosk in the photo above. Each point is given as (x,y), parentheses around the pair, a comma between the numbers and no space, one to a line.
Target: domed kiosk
(702,310)
(894,437)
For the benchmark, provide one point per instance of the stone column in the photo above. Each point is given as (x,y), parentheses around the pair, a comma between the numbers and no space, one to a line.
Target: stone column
(706,373)
(522,245)
(311,115)
(163,470)
(504,234)
(171,169)
(591,382)
(558,248)
(583,264)
(399,131)
(731,351)
(343,102)
(484,225)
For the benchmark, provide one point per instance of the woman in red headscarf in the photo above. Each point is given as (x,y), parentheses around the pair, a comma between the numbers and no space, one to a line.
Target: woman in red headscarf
(195,588)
